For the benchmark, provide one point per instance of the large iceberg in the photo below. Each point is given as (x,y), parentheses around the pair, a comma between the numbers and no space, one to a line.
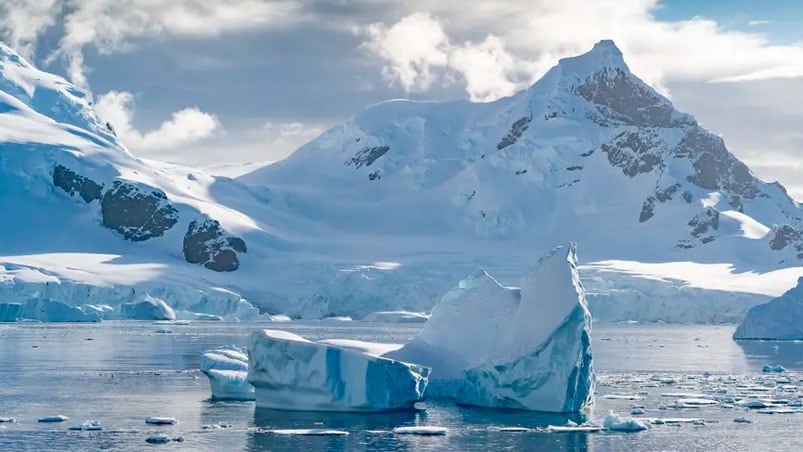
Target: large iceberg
(495,346)
(779,319)
(147,308)
(292,373)
(227,370)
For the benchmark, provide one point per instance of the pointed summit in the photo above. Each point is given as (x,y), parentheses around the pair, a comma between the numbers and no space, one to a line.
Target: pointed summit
(603,55)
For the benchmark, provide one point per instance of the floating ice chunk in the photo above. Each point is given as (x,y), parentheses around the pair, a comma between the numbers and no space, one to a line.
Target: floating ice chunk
(503,347)
(47,310)
(637,411)
(776,368)
(147,308)
(53,419)
(622,397)
(89,426)
(588,427)
(163,439)
(742,420)
(422,430)
(292,373)
(755,403)
(697,402)
(7,420)
(219,425)
(309,432)
(618,424)
(510,429)
(227,370)
(396,317)
(157,420)
(337,318)
(777,411)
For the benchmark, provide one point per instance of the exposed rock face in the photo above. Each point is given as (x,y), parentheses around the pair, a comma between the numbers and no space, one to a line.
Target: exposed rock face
(634,152)
(516,130)
(367,155)
(75,184)
(704,224)
(619,97)
(136,211)
(783,236)
(648,208)
(714,167)
(208,244)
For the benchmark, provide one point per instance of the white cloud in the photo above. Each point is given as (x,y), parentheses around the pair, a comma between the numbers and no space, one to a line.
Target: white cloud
(112,25)
(22,21)
(531,36)
(184,128)
(416,49)
(756,23)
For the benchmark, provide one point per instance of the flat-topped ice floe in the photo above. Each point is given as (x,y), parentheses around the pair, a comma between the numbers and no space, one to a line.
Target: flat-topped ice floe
(292,373)
(227,370)
(495,346)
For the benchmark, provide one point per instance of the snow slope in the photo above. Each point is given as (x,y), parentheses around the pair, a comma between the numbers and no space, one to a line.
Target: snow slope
(383,212)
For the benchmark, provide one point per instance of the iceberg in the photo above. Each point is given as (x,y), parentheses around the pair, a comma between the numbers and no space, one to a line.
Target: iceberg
(292,373)
(501,347)
(227,370)
(779,319)
(147,308)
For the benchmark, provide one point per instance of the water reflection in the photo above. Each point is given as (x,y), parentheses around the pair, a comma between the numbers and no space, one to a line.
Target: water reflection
(786,353)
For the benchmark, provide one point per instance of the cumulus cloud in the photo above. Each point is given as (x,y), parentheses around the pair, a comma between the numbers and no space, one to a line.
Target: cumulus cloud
(184,128)
(417,49)
(518,37)
(113,25)
(22,21)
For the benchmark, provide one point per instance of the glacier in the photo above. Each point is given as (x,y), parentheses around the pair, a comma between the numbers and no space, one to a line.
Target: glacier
(523,348)
(292,373)
(779,319)
(227,370)
(147,308)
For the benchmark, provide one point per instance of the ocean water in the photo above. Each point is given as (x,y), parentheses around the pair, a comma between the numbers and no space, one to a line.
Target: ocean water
(123,372)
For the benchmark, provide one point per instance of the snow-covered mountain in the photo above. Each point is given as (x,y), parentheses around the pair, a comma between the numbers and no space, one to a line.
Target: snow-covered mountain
(392,208)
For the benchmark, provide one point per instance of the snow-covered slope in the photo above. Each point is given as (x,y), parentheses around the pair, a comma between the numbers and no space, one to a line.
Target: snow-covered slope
(383,212)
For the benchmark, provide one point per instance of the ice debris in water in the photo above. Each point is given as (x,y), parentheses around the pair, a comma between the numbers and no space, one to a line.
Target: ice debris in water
(742,420)
(88,426)
(227,370)
(7,420)
(423,430)
(157,420)
(163,439)
(616,423)
(56,418)
(776,368)
(572,426)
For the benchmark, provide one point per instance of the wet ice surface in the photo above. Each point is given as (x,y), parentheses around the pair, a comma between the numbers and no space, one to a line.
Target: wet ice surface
(123,373)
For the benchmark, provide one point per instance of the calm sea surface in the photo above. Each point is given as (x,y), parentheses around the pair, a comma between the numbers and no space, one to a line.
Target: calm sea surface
(123,372)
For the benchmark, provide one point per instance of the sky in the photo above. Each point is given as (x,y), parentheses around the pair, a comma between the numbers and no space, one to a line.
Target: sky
(214,83)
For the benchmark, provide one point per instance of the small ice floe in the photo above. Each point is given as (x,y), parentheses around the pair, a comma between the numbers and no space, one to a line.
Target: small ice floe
(699,422)
(683,395)
(756,404)
(7,420)
(423,430)
(616,423)
(776,368)
(673,420)
(777,411)
(309,432)
(696,402)
(219,425)
(622,397)
(163,439)
(742,420)
(53,419)
(588,427)
(509,429)
(87,426)
(637,411)
(164,331)
(156,420)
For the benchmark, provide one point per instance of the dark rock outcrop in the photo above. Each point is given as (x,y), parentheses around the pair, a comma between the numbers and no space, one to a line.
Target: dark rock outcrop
(704,224)
(783,236)
(634,152)
(75,184)
(207,243)
(136,211)
(516,130)
(620,97)
(367,156)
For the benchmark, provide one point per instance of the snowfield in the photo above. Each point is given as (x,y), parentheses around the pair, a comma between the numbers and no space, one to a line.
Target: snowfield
(377,217)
